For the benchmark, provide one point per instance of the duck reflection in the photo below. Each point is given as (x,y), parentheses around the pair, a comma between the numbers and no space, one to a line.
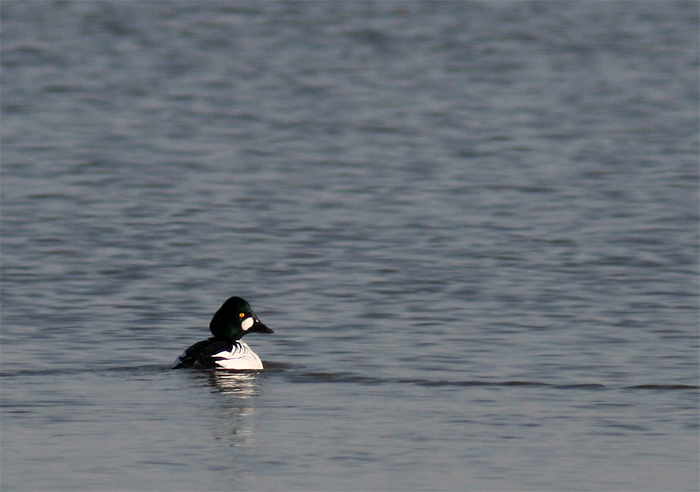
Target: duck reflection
(241,384)
(239,414)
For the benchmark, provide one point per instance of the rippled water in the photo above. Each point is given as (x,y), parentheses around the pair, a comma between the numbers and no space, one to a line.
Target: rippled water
(472,225)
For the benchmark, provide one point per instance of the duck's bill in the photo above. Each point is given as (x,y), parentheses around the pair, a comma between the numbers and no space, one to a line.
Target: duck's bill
(261,328)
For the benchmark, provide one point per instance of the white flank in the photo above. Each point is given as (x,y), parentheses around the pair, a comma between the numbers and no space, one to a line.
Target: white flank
(241,357)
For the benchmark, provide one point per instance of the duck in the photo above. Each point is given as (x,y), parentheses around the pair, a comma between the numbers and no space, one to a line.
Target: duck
(225,350)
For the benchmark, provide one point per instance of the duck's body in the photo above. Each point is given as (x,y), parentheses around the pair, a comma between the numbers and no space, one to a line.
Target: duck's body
(217,353)
(225,350)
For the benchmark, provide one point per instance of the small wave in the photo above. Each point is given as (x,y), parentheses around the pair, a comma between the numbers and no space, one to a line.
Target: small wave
(422,382)
(302,375)
(326,377)
(70,371)
(345,377)
(664,387)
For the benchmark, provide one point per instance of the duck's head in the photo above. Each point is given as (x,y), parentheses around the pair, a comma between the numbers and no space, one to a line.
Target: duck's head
(235,319)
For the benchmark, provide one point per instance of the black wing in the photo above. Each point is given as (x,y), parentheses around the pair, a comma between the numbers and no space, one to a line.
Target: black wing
(200,354)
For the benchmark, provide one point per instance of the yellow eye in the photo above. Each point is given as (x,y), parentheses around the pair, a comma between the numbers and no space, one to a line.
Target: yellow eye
(241,315)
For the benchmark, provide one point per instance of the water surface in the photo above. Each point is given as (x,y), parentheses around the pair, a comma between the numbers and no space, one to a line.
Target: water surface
(473,227)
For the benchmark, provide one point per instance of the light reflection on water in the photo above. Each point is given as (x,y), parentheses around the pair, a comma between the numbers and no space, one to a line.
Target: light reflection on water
(243,385)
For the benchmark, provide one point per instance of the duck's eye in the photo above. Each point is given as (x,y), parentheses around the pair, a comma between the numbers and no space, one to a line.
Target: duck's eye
(241,315)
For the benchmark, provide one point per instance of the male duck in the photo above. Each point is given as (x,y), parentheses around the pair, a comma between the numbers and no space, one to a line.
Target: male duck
(225,350)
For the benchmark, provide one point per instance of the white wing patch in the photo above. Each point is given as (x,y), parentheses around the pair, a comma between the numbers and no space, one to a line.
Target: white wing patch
(247,324)
(241,357)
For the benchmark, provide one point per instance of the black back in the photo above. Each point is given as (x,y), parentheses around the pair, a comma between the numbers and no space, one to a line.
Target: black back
(200,354)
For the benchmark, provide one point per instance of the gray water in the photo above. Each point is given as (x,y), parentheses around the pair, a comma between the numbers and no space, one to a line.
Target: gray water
(472,225)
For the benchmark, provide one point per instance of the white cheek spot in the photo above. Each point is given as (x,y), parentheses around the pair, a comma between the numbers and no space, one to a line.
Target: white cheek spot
(247,324)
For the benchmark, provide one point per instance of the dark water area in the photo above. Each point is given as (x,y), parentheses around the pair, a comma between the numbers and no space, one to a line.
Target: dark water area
(473,227)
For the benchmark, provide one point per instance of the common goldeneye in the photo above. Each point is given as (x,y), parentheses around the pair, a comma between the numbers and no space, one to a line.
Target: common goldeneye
(225,350)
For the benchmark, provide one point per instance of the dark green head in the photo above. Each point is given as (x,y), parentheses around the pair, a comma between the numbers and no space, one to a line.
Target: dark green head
(235,319)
